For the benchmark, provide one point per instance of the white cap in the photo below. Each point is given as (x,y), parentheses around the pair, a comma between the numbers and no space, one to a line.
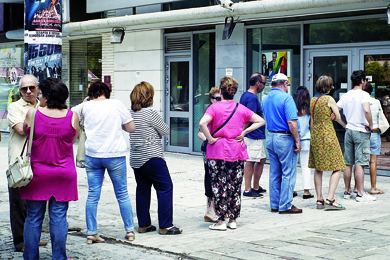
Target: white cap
(279,76)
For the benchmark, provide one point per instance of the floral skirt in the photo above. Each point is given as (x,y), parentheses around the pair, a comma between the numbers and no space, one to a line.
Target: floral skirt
(226,180)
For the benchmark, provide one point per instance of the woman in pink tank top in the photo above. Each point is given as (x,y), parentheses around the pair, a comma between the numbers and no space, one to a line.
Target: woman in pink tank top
(52,162)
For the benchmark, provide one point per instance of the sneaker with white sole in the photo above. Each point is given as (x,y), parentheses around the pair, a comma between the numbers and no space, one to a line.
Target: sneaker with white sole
(365,197)
(347,195)
(216,226)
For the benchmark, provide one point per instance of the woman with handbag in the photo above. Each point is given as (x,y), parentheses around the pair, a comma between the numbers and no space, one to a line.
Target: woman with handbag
(375,138)
(147,161)
(55,176)
(105,149)
(325,152)
(226,151)
(214,97)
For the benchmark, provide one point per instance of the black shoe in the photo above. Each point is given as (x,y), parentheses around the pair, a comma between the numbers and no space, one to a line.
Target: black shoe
(252,193)
(19,247)
(295,194)
(274,210)
(260,190)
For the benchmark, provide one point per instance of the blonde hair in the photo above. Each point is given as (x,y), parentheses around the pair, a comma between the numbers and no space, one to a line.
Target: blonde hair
(142,96)
(213,91)
(228,87)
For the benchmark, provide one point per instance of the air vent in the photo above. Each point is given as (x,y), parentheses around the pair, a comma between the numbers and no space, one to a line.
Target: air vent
(174,45)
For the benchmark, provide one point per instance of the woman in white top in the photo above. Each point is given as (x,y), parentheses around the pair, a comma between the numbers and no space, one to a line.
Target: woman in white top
(302,101)
(375,139)
(105,148)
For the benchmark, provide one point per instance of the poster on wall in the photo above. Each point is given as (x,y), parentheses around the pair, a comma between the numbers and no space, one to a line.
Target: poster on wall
(43,38)
(274,62)
(10,57)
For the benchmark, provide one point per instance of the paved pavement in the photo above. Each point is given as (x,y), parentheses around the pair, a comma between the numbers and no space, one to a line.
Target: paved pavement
(360,232)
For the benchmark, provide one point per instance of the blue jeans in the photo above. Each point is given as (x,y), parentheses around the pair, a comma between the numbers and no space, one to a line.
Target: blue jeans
(283,170)
(154,172)
(33,227)
(116,168)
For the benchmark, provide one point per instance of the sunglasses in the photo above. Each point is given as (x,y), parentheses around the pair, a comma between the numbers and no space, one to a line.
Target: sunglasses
(31,88)
(262,82)
(217,98)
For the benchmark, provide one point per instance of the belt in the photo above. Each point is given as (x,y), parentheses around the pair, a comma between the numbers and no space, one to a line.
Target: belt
(376,130)
(281,132)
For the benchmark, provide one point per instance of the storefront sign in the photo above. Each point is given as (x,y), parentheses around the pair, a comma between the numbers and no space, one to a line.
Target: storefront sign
(94,6)
(43,38)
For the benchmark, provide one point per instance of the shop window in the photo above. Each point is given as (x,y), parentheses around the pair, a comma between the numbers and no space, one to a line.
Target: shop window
(275,50)
(204,78)
(370,30)
(377,68)
(85,66)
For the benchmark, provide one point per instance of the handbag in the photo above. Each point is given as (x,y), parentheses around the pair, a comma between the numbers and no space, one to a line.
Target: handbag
(19,173)
(383,123)
(203,147)
(80,156)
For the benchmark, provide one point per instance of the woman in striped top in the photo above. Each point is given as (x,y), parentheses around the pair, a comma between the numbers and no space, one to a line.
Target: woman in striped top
(147,161)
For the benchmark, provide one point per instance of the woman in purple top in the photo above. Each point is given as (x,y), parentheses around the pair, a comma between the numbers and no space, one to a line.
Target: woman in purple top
(226,151)
(52,162)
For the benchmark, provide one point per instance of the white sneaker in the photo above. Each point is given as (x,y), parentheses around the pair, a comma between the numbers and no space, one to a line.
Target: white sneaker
(347,195)
(232,225)
(365,197)
(215,226)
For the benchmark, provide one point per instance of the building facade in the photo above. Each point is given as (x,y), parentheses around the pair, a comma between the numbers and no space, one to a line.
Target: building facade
(178,47)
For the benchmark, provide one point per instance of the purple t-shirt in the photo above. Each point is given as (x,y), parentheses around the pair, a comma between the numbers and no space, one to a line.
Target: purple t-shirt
(227,148)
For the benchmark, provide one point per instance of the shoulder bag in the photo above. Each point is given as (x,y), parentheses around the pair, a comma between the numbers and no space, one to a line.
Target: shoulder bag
(203,148)
(19,173)
(383,123)
(80,156)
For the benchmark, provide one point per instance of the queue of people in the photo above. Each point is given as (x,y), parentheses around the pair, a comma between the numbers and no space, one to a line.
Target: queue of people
(234,152)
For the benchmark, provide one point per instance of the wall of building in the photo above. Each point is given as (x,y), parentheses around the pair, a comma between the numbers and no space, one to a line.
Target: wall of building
(231,54)
(140,57)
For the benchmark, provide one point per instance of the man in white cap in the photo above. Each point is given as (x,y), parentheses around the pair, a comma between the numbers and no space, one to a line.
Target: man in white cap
(283,145)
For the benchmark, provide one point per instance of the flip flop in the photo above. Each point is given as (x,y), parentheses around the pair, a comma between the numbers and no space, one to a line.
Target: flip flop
(151,228)
(376,192)
(171,231)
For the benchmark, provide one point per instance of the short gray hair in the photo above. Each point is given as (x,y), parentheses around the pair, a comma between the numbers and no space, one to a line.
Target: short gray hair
(28,76)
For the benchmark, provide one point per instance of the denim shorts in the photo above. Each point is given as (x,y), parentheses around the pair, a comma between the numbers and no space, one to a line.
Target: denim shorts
(375,143)
(356,148)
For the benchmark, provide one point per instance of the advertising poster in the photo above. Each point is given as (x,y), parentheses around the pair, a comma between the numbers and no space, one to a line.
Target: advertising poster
(43,38)
(276,62)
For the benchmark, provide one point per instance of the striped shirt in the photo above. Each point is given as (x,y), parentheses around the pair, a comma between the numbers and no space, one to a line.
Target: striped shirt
(145,142)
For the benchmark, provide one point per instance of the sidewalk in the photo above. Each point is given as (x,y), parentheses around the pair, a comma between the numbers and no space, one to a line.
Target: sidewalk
(360,232)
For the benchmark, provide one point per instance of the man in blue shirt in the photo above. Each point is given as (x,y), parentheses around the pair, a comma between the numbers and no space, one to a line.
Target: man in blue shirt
(283,145)
(254,140)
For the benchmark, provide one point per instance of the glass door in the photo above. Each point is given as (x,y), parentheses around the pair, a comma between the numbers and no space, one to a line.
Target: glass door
(376,63)
(333,63)
(178,104)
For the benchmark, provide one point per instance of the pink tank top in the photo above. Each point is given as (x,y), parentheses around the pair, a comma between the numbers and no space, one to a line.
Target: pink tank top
(52,160)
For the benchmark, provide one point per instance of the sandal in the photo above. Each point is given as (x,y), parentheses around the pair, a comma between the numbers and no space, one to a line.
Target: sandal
(329,204)
(151,228)
(130,236)
(376,192)
(170,231)
(320,204)
(94,239)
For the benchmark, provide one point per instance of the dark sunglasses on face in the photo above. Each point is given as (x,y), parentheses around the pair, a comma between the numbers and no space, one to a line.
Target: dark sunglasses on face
(262,82)
(217,98)
(31,88)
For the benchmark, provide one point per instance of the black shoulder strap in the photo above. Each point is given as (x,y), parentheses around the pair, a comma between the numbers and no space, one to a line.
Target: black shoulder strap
(227,120)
